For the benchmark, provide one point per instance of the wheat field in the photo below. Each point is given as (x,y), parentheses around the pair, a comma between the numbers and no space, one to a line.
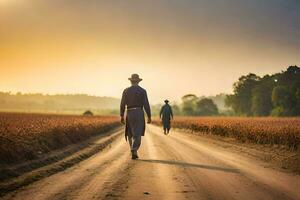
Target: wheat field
(25,136)
(274,131)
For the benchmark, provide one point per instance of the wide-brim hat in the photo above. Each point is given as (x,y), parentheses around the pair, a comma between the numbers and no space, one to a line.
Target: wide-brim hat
(166,101)
(135,78)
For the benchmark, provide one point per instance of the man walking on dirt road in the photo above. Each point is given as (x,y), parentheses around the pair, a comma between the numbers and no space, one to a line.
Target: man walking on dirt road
(166,115)
(135,99)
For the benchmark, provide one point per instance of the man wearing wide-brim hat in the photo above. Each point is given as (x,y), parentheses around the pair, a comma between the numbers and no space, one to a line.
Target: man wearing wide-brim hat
(135,101)
(166,114)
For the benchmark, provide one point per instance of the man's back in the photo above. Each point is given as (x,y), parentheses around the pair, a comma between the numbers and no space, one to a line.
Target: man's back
(135,97)
(166,112)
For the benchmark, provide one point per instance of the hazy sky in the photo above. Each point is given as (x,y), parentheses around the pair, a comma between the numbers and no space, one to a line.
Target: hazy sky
(177,46)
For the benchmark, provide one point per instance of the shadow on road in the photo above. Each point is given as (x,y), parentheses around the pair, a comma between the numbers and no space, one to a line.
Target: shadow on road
(184,164)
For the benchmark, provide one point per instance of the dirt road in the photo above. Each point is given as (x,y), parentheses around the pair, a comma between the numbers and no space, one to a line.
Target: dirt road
(177,166)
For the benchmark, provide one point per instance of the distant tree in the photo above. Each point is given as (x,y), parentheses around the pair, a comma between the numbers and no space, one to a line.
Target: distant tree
(290,77)
(261,96)
(285,96)
(241,100)
(189,104)
(230,102)
(297,107)
(206,107)
(88,113)
(298,95)
(283,100)
(176,109)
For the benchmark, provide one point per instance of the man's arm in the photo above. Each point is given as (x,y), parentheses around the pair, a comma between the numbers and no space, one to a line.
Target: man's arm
(161,111)
(122,106)
(147,107)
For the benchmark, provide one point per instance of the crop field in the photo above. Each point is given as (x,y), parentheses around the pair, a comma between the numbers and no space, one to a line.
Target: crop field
(24,136)
(274,131)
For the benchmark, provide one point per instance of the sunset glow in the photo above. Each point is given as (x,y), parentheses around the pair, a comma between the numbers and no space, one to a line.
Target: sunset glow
(177,47)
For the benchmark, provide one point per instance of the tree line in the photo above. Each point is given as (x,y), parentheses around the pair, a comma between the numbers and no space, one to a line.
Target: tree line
(275,95)
(271,95)
(192,105)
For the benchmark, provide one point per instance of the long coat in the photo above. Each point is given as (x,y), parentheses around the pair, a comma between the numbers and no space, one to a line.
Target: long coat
(132,98)
(166,114)
(135,123)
